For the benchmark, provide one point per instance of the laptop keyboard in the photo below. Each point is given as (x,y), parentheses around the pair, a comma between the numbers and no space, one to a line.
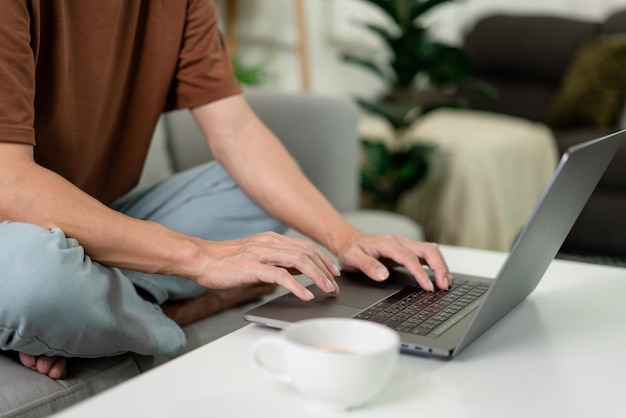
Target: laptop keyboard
(416,311)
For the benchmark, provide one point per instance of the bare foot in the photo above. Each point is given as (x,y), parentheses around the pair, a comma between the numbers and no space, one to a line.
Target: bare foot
(186,311)
(183,312)
(53,367)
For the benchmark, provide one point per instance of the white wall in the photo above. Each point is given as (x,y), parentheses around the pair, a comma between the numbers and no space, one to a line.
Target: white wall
(267,34)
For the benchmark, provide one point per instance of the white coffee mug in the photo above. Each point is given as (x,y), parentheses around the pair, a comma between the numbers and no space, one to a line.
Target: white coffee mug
(335,363)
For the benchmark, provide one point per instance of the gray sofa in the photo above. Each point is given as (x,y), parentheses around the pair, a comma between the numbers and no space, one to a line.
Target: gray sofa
(566,73)
(321,134)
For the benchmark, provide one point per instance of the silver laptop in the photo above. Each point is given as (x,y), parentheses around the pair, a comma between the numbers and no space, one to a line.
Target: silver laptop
(443,323)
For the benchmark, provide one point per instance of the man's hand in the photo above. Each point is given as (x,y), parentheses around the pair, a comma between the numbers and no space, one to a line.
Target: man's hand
(261,165)
(266,257)
(372,254)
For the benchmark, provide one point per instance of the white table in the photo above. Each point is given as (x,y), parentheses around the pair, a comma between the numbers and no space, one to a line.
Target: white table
(560,353)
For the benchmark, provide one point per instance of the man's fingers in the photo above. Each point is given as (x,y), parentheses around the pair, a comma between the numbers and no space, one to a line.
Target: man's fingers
(370,266)
(302,256)
(430,254)
(283,278)
(414,254)
(306,264)
(404,252)
(396,250)
(310,252)
(271,258)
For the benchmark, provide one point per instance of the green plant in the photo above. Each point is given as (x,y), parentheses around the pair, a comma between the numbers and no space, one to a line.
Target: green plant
(251,75)
(412,53)
(387,174)
(415,64)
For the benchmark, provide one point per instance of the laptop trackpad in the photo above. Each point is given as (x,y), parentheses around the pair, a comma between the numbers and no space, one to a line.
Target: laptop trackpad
(359,291)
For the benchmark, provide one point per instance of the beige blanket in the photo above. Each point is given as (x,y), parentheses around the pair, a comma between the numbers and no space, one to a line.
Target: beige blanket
(485,180)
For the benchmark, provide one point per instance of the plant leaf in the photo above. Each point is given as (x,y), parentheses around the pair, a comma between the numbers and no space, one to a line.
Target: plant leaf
(368,65)
(411,56)
(482,87)
(250,75)
(376,156)
(394,112)
(448,65)
(387,6)
(420,8)
(383,33)
(402,170)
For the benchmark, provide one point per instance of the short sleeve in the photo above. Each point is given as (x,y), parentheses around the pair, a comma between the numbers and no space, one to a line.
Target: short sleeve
(17,74)
(204,72)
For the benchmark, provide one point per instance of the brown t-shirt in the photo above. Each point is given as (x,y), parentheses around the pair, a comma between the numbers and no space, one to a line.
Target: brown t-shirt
(85,81)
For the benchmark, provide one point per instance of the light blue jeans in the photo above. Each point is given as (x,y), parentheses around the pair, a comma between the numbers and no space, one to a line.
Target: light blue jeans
(55,300)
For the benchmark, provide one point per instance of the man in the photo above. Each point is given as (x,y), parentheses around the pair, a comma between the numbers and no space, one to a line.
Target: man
(89,269)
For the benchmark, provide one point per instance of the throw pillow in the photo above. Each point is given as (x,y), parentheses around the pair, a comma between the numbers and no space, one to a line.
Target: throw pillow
(593,90)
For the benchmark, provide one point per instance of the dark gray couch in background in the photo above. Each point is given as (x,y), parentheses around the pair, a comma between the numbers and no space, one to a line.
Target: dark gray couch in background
(535,64)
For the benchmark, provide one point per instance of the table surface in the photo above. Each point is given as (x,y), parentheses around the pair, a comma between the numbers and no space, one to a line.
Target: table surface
(559,353)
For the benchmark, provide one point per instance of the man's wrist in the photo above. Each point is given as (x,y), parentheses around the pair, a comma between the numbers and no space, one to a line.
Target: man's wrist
(338,237)
(185,255)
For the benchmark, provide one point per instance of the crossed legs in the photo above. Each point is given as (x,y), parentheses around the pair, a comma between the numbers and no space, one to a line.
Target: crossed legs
(57,302)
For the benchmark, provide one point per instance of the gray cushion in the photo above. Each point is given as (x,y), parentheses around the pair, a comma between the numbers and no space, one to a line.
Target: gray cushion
(26,393)
(319,132)
(530,47)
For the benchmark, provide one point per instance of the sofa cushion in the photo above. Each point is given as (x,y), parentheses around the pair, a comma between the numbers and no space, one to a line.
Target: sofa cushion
(606,238)
(594,87)
(615,23)
(528,47)
(26,393)
(158,165)
(523,98)
(523,57)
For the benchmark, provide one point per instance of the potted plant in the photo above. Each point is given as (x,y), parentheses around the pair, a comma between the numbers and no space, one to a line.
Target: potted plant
(420,74)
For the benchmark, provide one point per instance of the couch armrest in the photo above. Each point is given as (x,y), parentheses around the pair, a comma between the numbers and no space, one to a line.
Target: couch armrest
(320,132)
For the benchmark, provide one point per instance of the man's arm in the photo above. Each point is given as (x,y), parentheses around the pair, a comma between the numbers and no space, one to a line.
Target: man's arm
(266,172)
(33,194)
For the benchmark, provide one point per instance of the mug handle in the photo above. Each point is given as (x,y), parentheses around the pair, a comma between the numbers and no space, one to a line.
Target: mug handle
(269,343)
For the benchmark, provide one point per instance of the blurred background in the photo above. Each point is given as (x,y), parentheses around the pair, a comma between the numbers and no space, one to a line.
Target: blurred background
(465,106)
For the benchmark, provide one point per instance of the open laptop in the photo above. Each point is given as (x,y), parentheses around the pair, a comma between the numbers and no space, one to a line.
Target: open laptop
(443,323)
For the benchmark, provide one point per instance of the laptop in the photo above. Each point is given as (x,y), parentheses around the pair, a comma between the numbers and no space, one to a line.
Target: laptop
(443,323)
